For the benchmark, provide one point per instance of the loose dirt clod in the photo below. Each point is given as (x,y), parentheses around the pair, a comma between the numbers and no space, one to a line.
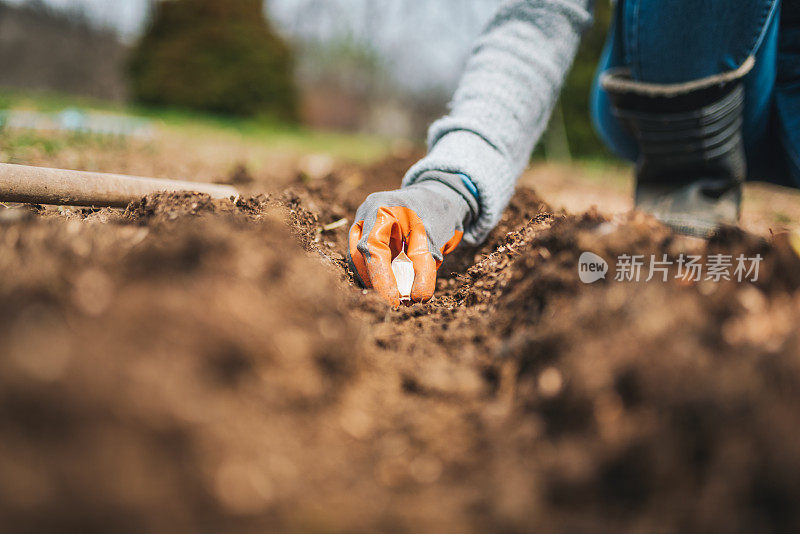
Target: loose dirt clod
(190,365)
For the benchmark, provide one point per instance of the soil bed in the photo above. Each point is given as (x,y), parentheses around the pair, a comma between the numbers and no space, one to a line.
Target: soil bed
(189,365)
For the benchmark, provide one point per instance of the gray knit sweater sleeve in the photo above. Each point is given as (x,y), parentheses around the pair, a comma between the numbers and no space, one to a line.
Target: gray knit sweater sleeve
(504,101)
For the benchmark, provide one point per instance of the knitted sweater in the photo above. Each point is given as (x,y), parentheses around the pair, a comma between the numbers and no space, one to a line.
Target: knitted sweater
(504,101)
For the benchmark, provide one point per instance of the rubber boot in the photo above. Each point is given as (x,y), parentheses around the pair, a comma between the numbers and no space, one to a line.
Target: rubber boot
(691,164)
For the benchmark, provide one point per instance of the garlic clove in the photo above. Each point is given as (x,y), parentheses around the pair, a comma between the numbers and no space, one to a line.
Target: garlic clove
(403,271)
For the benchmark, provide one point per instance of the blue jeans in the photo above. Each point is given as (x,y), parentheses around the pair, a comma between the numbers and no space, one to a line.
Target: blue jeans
(675,41)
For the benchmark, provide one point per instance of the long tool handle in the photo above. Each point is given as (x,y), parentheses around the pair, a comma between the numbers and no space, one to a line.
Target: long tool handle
(40,185)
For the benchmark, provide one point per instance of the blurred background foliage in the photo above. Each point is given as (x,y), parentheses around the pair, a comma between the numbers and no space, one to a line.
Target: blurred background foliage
(384,68)
(220,56)
(574,102)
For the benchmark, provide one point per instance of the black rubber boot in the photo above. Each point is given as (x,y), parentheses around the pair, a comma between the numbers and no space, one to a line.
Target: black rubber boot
(691,163)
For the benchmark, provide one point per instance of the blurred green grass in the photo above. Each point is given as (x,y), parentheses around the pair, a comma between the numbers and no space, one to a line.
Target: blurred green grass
(274,135)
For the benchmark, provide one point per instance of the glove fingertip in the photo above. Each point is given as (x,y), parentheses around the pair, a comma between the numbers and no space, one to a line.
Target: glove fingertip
(424,285)
(421,295)
(356,275)
(355,258)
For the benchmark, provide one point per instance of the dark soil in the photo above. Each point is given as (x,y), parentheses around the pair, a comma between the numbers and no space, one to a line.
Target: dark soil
(190,365)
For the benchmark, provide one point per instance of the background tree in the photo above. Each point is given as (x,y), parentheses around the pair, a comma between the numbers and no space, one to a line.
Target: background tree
(221,56)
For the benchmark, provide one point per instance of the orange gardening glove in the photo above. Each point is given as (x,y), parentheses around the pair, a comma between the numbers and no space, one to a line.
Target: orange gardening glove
(427,219)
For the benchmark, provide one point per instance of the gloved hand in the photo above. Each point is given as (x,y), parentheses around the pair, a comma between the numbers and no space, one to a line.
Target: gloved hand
(428,218)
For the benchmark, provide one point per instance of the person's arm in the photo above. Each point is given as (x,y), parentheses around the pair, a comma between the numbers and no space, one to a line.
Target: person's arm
(504,101)
(477,152)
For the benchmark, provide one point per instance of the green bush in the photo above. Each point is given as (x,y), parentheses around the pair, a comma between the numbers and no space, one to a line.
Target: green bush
(220,56)
(583,140)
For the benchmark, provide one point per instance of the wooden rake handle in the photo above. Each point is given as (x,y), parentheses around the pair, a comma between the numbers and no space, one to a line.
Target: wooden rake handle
(40,185)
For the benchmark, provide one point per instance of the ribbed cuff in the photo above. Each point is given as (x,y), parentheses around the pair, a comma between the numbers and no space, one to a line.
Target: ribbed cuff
(463,152)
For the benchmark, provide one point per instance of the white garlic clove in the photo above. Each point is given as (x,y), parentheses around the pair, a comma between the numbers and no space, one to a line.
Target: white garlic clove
(403,271)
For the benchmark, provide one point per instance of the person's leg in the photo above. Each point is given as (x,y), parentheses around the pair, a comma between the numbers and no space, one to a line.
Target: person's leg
(681,41)
(787,92)
(686,90)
